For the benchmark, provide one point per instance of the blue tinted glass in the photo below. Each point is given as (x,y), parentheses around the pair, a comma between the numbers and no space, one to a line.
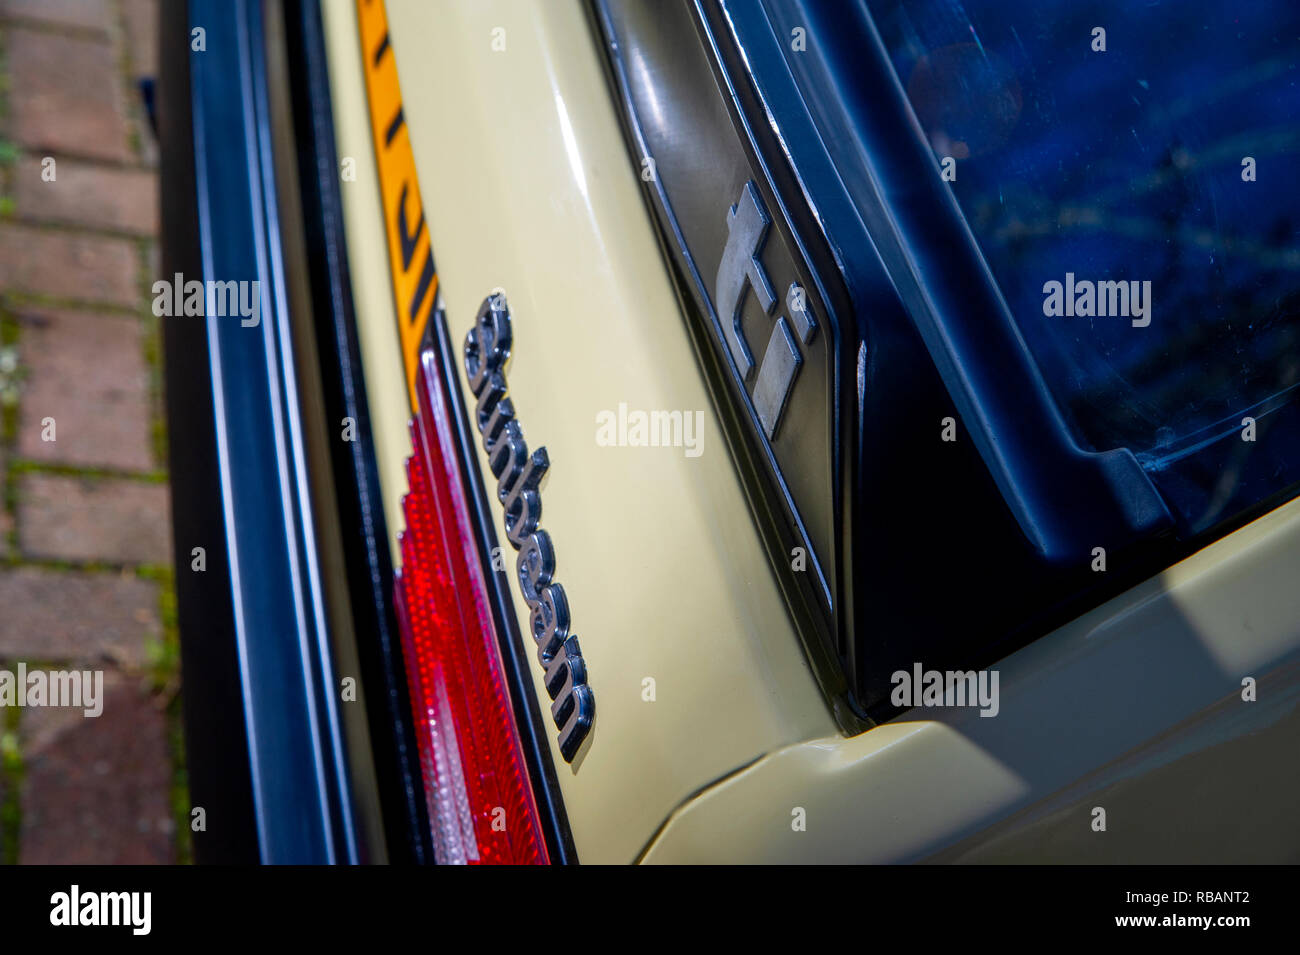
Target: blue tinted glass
(1078,165)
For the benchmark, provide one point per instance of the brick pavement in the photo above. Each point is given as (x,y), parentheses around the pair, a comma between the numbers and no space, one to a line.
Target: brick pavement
(85,563)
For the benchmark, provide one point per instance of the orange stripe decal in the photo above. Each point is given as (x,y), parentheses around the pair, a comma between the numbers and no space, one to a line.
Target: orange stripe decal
(410,254)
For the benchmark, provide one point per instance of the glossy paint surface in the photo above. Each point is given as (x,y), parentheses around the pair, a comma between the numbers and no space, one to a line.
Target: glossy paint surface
(527,187)
(1136,707)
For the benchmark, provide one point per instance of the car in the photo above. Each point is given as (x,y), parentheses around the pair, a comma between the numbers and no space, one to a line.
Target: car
(760,431)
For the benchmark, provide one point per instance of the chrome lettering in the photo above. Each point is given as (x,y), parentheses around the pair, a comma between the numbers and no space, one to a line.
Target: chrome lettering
(520,475)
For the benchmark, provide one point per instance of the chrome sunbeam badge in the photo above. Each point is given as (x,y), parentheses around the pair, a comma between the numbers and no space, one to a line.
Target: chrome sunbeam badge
(519,475)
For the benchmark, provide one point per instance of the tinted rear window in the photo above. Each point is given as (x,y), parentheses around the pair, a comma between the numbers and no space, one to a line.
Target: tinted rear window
(1168,162)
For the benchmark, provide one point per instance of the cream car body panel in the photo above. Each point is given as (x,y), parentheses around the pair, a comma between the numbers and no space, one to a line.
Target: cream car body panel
(1125,708)
(372,290)
(528,188)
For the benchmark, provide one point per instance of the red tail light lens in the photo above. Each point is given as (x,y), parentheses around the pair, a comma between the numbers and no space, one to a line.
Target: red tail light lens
(480,804)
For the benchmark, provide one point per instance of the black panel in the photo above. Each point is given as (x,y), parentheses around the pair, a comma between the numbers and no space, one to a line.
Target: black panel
(216,741)
(356,477)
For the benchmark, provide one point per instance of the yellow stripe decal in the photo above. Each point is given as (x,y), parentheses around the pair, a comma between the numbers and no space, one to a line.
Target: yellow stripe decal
(410,256)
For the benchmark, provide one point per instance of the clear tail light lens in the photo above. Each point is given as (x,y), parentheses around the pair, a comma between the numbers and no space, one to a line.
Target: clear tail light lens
(480,803)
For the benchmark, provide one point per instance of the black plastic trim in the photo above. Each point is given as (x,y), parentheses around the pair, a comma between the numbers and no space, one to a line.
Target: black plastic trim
(216,737)
(356,474)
